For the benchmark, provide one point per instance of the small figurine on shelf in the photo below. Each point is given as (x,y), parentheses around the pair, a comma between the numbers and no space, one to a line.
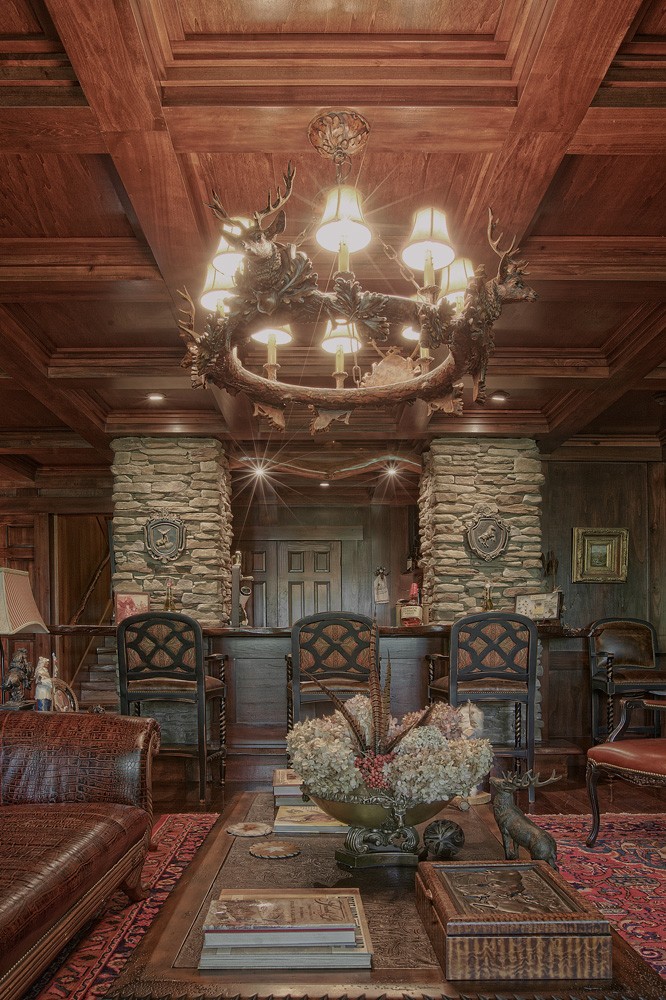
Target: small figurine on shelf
(487,604)
(169,604)
(43,685)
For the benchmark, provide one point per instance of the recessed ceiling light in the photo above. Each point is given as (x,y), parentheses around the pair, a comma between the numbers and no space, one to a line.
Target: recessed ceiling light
(391,470)
(500,396)
(324,484)
(155,397)
(259,470)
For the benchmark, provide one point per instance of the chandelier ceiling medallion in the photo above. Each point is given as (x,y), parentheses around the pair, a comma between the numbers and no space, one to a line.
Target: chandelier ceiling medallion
(256,286)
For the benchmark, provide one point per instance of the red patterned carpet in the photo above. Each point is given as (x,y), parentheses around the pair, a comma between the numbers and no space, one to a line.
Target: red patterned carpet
(94,958)
(624,874)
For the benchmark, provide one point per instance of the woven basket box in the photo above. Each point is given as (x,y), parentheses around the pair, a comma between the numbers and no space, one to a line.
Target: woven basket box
(509,920)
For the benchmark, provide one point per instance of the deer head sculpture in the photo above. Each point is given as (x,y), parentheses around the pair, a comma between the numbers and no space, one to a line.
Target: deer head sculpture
(254,241)
(511,272)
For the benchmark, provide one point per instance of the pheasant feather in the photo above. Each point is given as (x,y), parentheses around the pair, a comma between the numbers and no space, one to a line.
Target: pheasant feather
(340,706)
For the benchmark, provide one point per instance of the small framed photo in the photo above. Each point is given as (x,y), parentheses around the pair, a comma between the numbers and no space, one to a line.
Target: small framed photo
(540,607)
(130,604)
(599,555)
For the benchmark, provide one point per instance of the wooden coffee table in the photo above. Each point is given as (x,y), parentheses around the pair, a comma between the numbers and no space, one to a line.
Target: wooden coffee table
(404,965)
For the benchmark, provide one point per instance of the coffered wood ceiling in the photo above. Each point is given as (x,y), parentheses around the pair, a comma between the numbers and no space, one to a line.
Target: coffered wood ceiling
(118,118)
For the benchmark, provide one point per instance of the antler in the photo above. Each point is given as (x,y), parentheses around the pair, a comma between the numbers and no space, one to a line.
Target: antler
(220,212)
(516,781)
(504,255)
(280,199)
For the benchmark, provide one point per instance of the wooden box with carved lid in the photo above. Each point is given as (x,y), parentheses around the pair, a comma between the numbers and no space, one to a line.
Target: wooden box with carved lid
(508,920)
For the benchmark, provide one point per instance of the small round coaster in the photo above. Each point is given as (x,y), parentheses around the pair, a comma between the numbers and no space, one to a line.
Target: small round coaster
(275,849)
(249,829)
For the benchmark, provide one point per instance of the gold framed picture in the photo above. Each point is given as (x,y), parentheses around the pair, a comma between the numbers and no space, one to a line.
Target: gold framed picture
(540,607)
(599,555)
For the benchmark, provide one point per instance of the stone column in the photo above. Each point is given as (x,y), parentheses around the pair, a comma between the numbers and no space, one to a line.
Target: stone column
(462,477)
(187,477)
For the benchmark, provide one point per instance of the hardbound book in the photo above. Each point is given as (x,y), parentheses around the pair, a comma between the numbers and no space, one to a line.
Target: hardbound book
(351,956)
(287,787)
(260,918)
(306,819)
(508,920)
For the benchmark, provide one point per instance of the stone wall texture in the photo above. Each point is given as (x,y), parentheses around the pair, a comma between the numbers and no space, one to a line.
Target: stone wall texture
(187,477)
(463,476)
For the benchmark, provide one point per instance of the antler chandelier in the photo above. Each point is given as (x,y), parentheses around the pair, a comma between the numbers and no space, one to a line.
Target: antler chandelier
(256,286)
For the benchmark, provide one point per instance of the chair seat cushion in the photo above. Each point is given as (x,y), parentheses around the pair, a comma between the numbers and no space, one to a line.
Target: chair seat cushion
(50,855)
(641,680)
(501,685)
(173,684)
(340,685)
(647,756)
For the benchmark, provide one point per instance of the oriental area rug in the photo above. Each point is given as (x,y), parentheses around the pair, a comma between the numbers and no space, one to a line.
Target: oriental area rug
(94,957)
(623,875)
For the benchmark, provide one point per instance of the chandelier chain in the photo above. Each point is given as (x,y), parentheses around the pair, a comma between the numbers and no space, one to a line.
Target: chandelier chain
(305,233)
(405,271)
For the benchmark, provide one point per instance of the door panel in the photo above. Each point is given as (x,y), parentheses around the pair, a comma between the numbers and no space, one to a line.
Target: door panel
(309,579)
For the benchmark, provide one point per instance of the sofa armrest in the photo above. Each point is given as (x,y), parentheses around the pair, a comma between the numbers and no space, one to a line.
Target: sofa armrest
(76,757)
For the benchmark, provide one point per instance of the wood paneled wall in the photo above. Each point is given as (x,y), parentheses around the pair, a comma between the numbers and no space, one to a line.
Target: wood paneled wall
(382,539)
(80,542)
(602,495)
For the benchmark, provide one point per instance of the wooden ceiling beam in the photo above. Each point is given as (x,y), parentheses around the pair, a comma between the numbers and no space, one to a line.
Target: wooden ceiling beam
(20,468)
(106,48)
(53,260)
(595,258)
(625,131)
(114,362)
(22,360)
(636,348)
(50,130)
(553,101)
(40,440)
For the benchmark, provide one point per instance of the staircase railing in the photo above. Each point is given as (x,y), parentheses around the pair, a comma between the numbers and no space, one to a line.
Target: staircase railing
(74,620)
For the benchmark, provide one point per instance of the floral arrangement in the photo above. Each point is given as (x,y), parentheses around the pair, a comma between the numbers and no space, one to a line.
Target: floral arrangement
(362,753)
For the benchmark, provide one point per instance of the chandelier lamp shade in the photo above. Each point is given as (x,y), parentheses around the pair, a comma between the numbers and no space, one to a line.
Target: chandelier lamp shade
(259,289)
(454,281)
(218,287)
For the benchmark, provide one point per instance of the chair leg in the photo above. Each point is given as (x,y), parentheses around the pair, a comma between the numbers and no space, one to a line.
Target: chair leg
(203,755)
(610,715)
(530,748)
(591,779)
(290,710)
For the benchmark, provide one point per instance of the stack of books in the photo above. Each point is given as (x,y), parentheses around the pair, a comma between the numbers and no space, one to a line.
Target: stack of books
(286,929)
(287,787)
(306,818)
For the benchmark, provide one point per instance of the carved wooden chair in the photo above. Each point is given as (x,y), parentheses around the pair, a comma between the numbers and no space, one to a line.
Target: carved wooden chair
(623,661)
(492,658)
(336,648)
(641,761)
(161,658)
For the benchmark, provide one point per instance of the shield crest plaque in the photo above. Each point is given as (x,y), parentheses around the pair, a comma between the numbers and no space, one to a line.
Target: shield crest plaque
(487,536)
(165,536)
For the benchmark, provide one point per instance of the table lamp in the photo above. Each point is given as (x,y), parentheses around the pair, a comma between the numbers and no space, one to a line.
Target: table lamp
(18,611)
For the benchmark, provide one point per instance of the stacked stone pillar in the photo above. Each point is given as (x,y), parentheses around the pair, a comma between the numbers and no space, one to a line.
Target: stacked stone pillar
(465,476)
(461,478)
(189,478)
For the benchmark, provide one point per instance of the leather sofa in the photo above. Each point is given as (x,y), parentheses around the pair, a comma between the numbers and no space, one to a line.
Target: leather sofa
(75,825)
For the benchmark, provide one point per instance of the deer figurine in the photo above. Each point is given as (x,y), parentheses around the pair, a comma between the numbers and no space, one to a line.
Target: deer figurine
(517,829)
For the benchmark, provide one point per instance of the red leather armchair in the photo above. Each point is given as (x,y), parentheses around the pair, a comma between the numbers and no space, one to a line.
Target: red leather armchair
(75,824)
(641,761)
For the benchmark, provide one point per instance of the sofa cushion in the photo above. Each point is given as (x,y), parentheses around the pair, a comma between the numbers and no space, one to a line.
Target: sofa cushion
(50,855)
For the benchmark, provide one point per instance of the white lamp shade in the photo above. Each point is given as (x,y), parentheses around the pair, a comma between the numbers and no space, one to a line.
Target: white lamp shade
(341,336)
(409,333)
(429,234)
(18,610)
(455,278)
(279,335)
(217,289)
(342,221)
(226,259)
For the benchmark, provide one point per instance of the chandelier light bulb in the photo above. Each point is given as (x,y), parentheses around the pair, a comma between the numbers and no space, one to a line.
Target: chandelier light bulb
(217,289)
(429,247)
(454,281)
(272,336)
(342,222)
(340,338)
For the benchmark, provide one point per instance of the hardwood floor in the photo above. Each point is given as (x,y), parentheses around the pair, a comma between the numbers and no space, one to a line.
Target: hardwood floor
(173,791)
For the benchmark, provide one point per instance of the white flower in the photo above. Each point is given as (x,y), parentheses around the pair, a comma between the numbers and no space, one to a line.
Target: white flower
(430,763)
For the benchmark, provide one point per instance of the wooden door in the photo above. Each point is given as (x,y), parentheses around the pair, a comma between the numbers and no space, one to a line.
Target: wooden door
(309,579)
